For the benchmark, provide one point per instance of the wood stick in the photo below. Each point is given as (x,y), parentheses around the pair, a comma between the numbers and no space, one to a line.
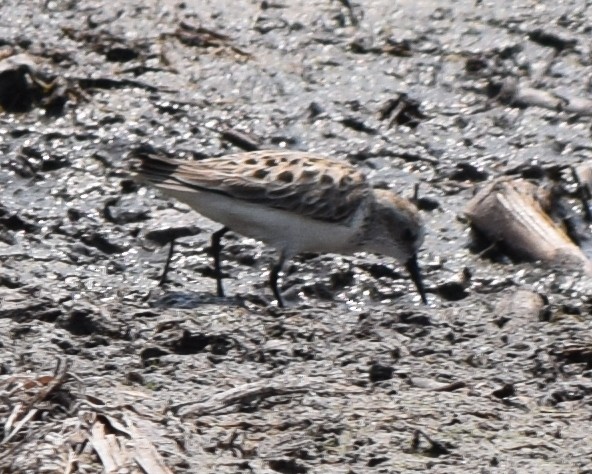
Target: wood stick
(507,212)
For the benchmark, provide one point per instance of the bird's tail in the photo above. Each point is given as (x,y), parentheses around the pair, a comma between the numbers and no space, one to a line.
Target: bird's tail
(148,165)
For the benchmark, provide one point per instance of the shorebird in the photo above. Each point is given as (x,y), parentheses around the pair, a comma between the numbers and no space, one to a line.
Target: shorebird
(295,202)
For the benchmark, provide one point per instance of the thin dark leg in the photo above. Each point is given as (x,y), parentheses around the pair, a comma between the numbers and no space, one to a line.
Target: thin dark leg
(216,249)
(273,279)
(167,264)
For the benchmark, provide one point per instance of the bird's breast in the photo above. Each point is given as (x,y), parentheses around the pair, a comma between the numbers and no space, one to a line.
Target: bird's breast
(281,229)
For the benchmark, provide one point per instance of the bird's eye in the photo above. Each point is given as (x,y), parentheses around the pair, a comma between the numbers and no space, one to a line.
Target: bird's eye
(409,236)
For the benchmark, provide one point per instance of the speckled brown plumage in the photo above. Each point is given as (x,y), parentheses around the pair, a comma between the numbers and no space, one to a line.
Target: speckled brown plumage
(297,182)
(294,201)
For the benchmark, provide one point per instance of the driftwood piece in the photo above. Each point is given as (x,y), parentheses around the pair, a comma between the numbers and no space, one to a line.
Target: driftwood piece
(577,105)
(507,212)
(435,386)
(528,96)
(113,456)
(145,453)
(116,450)
(511,92)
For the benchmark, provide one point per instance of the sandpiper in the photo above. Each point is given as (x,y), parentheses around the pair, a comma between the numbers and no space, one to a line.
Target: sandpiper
(294,201)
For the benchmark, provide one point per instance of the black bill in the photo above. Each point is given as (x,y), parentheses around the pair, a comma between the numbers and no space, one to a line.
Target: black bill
(413,269)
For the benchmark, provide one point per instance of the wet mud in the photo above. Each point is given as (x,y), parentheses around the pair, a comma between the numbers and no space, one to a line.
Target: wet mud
(102,368)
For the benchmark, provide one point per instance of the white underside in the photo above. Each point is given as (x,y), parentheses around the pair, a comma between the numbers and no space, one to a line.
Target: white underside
(288,232)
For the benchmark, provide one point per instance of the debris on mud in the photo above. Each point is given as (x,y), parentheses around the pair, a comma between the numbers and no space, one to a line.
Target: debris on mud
(103,369)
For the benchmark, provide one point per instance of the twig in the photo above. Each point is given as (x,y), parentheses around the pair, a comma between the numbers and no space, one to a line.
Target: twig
(240,394)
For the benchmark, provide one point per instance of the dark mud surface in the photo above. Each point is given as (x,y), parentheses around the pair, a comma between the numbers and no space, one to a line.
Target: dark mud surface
(356,376)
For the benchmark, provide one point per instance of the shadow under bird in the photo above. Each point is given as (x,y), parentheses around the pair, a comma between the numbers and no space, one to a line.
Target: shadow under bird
(295,202)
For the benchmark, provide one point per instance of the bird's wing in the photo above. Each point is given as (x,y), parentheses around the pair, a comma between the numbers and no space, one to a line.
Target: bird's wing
(298,182)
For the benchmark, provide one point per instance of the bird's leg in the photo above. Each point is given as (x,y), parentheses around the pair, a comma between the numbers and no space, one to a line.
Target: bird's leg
(216,249)
(413,269)
(273,279)
(167,264)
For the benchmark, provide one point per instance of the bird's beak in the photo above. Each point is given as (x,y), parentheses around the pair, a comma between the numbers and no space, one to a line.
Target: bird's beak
(413,269)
